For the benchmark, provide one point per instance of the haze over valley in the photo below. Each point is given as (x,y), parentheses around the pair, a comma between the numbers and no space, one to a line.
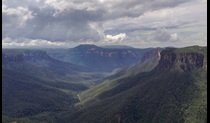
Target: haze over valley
(103,61)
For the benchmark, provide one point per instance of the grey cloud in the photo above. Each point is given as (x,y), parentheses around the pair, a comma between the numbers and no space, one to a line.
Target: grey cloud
(13,20)
(154,5)
(160,35)
(163,35)
(69,25)
(135,8)
(91,20)
(150,3)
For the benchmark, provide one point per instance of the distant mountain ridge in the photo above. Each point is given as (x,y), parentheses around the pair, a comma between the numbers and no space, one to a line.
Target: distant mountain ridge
(117,47)
(39,60)
(100,59)
(23,55)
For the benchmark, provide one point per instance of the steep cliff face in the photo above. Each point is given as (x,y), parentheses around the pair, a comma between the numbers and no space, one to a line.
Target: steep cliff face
(153,54)
(149,61)
(28,55)
(184,61)
(110,58)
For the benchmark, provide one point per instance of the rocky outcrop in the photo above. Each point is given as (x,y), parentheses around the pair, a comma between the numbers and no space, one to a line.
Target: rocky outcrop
(153,54)
(185,61)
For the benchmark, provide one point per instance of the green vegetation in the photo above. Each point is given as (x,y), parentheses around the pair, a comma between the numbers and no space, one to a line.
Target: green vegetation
(159,96)
(172,90)
(192,49)
(196,110)
(34,83)
(27,96)
(169,96)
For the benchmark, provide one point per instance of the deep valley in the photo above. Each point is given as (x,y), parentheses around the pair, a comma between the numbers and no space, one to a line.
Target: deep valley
(92,84)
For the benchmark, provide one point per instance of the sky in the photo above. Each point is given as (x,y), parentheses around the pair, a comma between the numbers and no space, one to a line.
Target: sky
(137,23)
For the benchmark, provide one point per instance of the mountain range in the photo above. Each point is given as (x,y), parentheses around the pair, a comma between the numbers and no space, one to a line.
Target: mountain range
(165,85)
(98,58)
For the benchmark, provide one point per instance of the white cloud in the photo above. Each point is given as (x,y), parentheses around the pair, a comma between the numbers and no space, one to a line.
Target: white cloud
(174,37)
(61,5)
(115,38)
(6,40)
(23,42)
